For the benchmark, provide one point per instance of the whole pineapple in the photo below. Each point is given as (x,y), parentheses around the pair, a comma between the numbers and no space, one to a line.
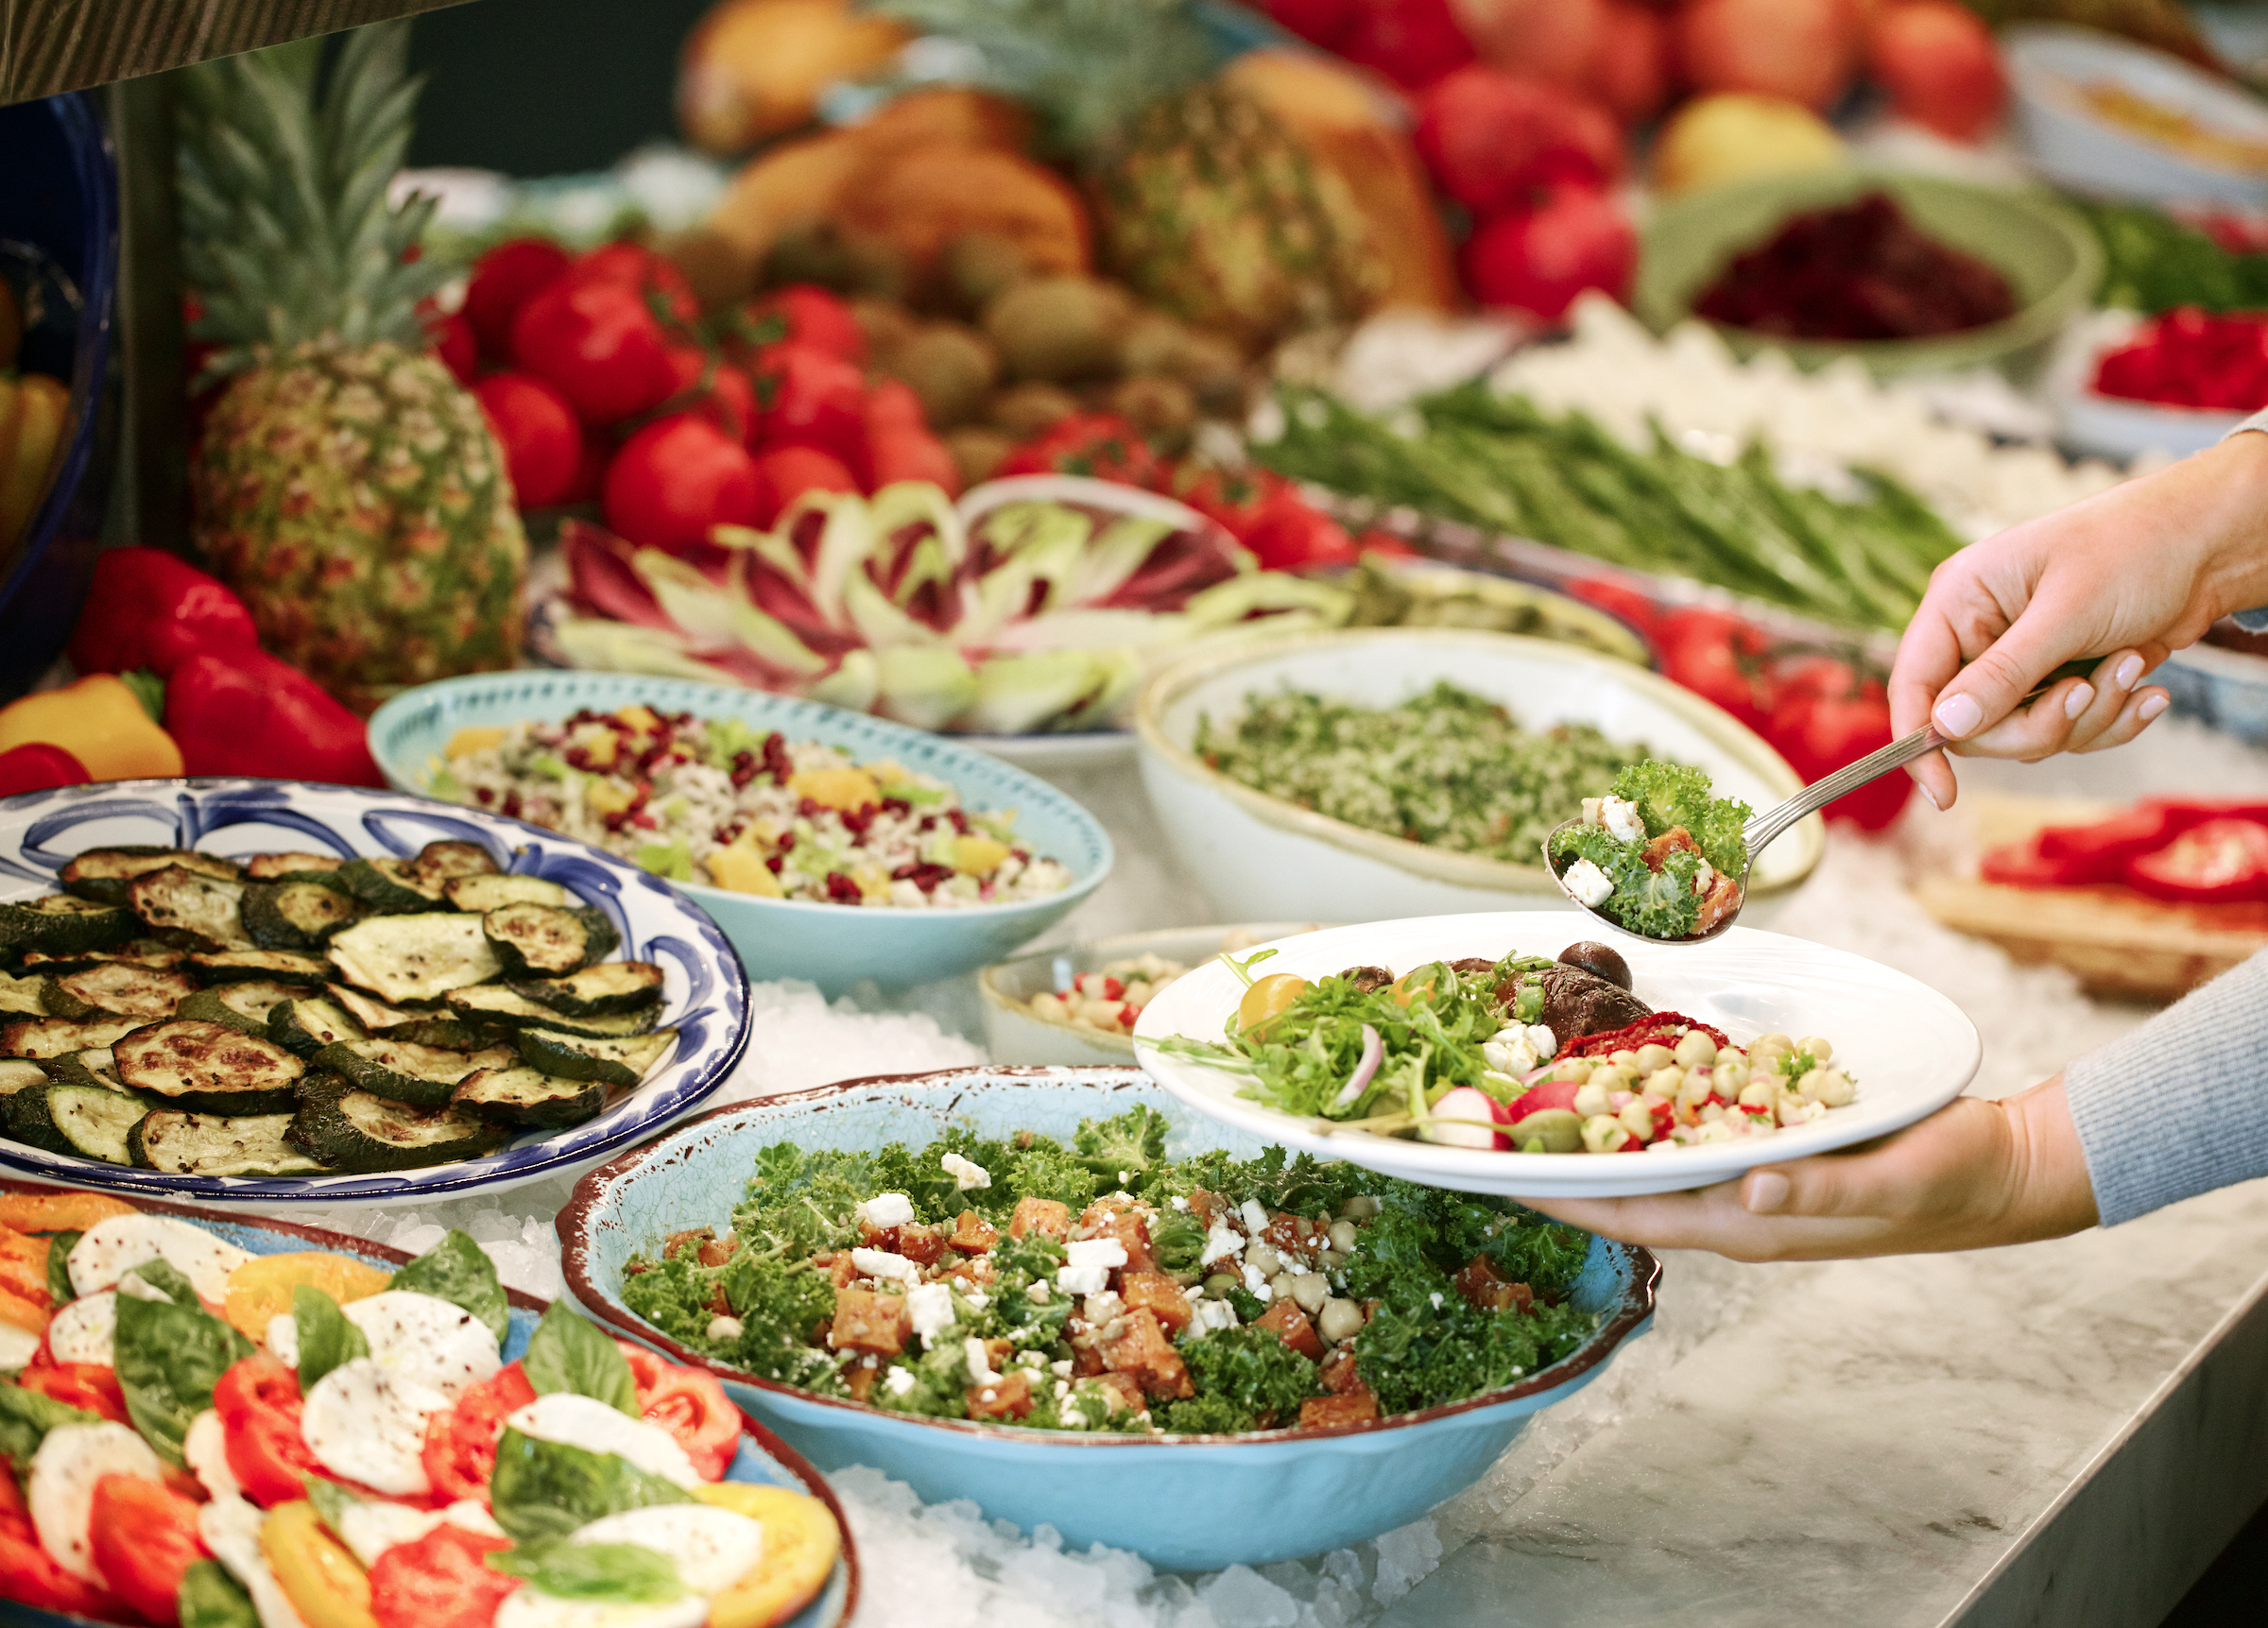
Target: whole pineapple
(345,484)
(1207,204)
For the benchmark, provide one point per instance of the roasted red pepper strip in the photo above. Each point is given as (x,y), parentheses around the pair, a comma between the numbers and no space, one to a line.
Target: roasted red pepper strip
(2105,852)
(1657,1028)
(245,712)
(147,609)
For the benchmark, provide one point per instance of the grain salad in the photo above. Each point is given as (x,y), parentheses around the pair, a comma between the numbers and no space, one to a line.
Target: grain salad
(712,801)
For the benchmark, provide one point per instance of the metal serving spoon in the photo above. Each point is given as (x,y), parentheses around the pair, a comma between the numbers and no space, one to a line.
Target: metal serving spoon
(1759,833)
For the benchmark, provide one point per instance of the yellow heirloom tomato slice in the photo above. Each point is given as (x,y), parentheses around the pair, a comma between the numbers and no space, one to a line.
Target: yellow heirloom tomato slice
(800,1544)
(260,1290)
(320,1577)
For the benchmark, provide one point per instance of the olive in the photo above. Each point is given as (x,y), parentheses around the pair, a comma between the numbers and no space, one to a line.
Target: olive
(1600,960)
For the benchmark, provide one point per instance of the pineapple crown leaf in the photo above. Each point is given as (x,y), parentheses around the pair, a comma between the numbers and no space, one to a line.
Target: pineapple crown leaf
(1089,67)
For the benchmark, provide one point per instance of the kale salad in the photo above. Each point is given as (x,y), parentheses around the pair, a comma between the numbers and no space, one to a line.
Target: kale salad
(1104,1287)
(1659,854)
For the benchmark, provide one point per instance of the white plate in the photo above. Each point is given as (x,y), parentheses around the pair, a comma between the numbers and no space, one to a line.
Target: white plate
(1910,1050)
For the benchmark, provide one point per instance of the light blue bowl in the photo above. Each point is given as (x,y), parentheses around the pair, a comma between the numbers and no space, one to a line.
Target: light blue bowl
(764,1458)
(1194,1503)
(832,945)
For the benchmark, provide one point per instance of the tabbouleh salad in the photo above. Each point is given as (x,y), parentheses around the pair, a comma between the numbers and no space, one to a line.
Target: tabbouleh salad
(712,800)
(1104,1287)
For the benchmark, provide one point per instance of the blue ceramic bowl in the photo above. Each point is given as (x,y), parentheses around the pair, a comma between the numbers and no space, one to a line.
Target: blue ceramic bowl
(704,996)
(833,945)
(1192,1504)
(764,1458)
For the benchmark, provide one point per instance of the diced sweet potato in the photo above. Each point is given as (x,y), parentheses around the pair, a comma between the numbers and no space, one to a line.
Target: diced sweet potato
(841,1271)
(1124,1390)
(859,1378)
(1041,1215)
(1205,1206)
(1350,1408)
(1007,1398)
(972,1234)
(1675,840)
(718,1252)
(1086,1360)
(1132,1230)
(720,1304)
(1295,1238)
(1339,1375)
(884,1237)
(1284,1320)
(922,1246)
(678,1243)
(1159,1295)
(1144,1351)
(868,1320)
(1481,1285)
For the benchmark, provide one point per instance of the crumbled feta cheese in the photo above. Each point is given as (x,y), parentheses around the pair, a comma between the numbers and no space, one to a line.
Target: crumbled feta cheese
(1101,1308)
(977,1299)
(1095,1252)
(929,1309)
(898,1381)
(966,1173)
(886,1209)
(1621,818)
(1704,879)
(882,1264)
(1221,1241)
(1436,1299)
(1213,1314)
(1062,1389)
(1256,1283)
(1082,1280)
(1509,1051)
(1545,1042)
(1062,1370)
(1179,1203)
(1587,883)
(979,1365)
(722,1329)
(1253,1216)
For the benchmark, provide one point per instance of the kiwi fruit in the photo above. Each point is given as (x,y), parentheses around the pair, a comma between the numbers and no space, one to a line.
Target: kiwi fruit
(719,272)
(1059,330)
(885,323)
(975,268)
(1024,410)
(1164,410)
(950,368)
(848,262)
(977,451)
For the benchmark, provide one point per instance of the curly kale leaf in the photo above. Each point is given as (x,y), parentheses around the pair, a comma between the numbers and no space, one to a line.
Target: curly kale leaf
(1124,1149)
(1178,1239)
(1544,1254)
(1214,1171)
(778,1303)
(1303,1186)
(803,1201)
(1420,1355)
(1215,1415)
(1047,1169)
(1670,795)
(1252,1369)
(1656,904)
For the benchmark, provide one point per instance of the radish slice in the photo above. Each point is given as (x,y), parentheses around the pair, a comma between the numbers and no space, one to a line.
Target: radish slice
(1374,1053)
(1477,1114)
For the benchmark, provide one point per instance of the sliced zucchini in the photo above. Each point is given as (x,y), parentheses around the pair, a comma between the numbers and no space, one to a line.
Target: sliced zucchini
(444,861)
(482,894)
(61,1036)
(26,995)
(308,1023)
(450,1034)
(107,875)
(524,1097)
(615,1062)
(91,1121)
(18,1073)
(191,909)
(610,986)
(415,958)
(295,915)
(373,1015)
(60,924)
(281,966)
(390,886)
(543,941)
(274,866)
(210,1144)
(97,1068)
(243,1006)
(405,1072)
(119,989)
(207,1068)
(494,1004)
(355,1130)
(134,952)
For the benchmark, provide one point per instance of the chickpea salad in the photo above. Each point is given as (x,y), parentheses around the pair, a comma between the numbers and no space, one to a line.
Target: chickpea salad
(1658,855)
(1108,1001)
(712,800)
(1104,1287)
(1518,1055)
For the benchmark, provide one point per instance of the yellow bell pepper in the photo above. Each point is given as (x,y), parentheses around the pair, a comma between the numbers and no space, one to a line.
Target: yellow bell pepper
(800,1544)
(100,722)
(319,1575)
(32,410)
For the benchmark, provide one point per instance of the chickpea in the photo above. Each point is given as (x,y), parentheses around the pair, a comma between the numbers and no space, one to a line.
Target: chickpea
(1651,1057)
(1267,1000)
(1339,1319)
(1666,1083)
(1329,1261)
(1730,1079)
(1343,1235)
(1793,1110)
(1572,1070)
(1264,1259)
(1279,1286)
(1614,1076)
(1831,1086)
(1604,1133)
(1776,1040)
(1638,1120)
(1695,1090)
(1591,1100)
(1310,1289)
(1817,1046)
(1624,1058)
(1049,1009)
(1695,1049)
(1759,1095)
(1360,1207)
(1733,1057)
(1712,1113)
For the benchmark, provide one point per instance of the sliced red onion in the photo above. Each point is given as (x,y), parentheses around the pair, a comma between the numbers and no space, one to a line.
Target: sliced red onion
(1374,1053)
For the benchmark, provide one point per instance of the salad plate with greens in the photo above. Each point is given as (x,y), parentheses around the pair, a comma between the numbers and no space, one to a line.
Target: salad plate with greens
(1487,1054)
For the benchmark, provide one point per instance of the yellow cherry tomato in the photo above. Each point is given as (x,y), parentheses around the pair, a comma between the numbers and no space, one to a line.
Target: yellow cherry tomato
(1425,980)
(1268,998)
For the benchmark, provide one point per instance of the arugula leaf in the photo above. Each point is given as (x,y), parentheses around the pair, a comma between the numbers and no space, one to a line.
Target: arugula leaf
(59,1267)
(327,1339)
(571,1353)
(210,1597)
(167,1279)
(544,1491)
(168,1357)
(26,1416)
(615,1573)
(457,1270)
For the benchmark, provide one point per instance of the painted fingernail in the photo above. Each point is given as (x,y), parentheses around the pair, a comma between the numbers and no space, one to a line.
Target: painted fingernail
(1929,797)
(2127,671)
(1766,1193)
(2076,702)
(1956,715)
(2152,707)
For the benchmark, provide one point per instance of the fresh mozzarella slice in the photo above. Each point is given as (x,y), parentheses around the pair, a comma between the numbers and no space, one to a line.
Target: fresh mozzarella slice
(205,1449)
(471,1514)
(370,1529)
(140,1288)
(714,1547)
(525,1608)
(116,1243)
(17,1348)
(283,1337)
(426,1339)
(81,1331)
(366,1423)
(61,1495)
(585,1422)
(230,1528)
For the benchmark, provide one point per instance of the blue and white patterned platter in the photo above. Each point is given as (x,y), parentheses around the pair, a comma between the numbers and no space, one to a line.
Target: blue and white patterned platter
(704,991)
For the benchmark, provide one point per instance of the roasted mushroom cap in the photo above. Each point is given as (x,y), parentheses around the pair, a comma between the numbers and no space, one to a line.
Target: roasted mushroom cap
(1603,959)
(1366,979)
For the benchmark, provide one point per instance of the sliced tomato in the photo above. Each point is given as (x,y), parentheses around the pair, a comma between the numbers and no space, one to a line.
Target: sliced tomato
(87,1385)
(258,1401)
(646,1368)
(2220,861)
(693,1407)
(29,1576)
(460,1442)
(144,1537)
(260,1383)
(442,1581)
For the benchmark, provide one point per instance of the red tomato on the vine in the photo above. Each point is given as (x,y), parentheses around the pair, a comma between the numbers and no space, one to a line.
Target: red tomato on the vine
(1718,656)
(910,455)
(674,480)
(810,397)
(1824,717)
(785,473)
(598,345)
(542,444)
(806,314)
(504,279)
(1102,445)
(656,276)
(451,335)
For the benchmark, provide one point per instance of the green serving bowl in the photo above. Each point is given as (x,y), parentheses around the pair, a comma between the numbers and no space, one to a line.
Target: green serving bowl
(2049,256)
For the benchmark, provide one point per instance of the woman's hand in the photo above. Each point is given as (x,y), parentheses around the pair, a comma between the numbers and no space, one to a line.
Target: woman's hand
(2127,576)
(1973,1175)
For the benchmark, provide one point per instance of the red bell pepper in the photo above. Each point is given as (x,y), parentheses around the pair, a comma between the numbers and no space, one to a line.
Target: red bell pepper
(245,712)
(38,766)
(147,609)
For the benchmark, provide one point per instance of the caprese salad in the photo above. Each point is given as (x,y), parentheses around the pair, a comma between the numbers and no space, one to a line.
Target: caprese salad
(205,1436)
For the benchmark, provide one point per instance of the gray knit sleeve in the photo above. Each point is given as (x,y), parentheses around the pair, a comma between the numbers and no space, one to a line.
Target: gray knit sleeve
(2176,1108)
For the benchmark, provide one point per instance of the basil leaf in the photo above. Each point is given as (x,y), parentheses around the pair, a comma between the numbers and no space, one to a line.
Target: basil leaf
(572,1353)
(330,1501)
(26,1416)
(543,1491)
(326,1338)
(210,1597)
(615,1573)
(458,1271)
(167,1357)
(166,1278)
(59,1267)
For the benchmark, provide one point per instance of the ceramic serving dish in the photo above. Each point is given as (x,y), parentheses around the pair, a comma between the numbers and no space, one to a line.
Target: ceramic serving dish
(705,996)
(764,1458)
(1194,1503)
(833,945)
(1261,858)
(1909,1049)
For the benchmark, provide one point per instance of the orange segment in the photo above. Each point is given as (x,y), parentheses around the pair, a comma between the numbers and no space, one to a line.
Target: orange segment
(260,1290)
(800,1544)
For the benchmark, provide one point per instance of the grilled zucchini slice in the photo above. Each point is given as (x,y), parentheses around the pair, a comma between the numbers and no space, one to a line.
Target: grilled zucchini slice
(355,1130)
(242,1006)
(544,941)
(191,909)
(119,989)
(390,886)
(404,1072)
(520,1096)
(610,986)
(494,1004)
(373,1015)
(207,1068)
(212,1144)
(61,1036)
(482,894)
(60,924)
(612,1062)
(107,875)
(87,1120)
(281,966)
(134,952)
(27,997)
(450,1034)
(415,958)
(309,1023)
(16,1073)
(275,866)
(97,1068)
(295,915)
(445,862)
